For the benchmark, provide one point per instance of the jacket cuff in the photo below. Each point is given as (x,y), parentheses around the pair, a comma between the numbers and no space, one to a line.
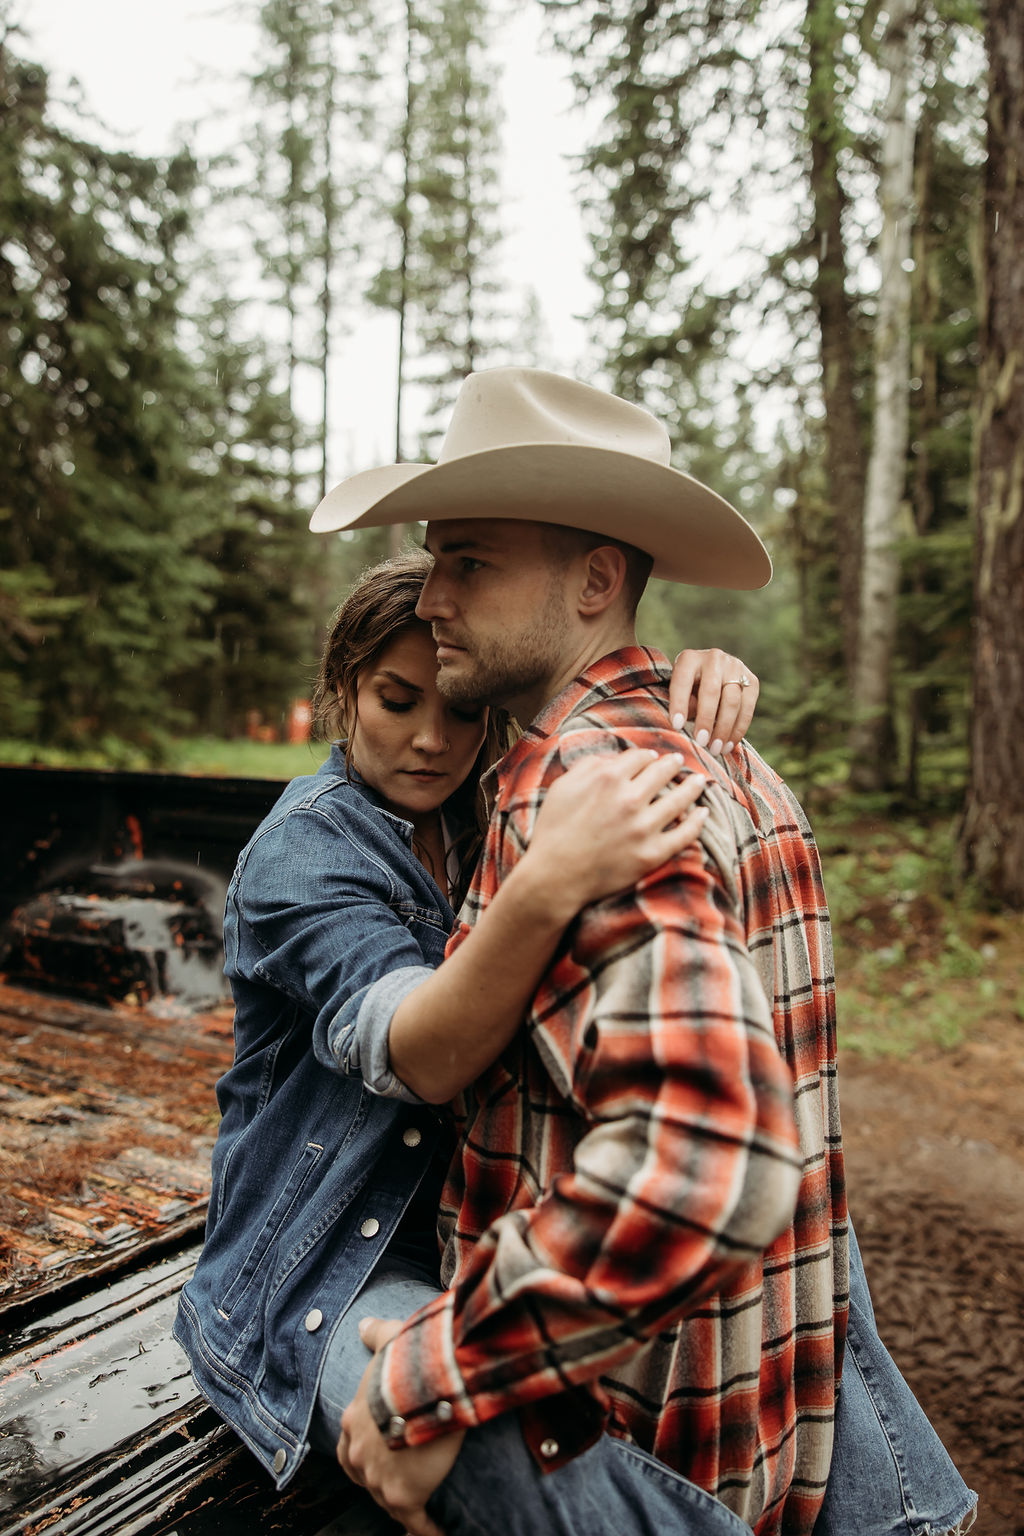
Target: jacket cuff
(359,1032)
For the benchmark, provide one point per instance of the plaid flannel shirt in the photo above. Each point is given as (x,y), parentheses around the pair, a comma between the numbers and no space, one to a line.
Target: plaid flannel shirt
(646,1226)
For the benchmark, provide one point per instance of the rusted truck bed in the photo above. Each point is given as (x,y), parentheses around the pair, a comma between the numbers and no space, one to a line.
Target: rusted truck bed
(107,1120)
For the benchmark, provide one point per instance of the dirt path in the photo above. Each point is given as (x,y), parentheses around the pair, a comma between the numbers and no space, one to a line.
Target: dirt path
(935,1161)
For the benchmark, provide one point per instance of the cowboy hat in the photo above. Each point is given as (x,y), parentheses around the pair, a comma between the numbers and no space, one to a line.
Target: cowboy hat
(541,448)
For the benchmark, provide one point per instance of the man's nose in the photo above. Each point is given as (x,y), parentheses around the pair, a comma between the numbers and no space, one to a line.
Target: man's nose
(434,602)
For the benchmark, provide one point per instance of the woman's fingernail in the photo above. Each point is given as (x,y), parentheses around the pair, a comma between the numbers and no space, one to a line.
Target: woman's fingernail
(678,722)
(703,737)
(716,747)
(730,746)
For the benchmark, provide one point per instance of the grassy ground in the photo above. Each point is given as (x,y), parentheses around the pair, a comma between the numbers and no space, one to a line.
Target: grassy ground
(200,754)
(922,963)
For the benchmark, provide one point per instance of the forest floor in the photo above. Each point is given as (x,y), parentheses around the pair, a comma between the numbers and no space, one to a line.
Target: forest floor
(932,1094)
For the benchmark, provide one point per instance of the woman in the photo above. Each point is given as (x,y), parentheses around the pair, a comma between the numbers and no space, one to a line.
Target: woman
(320,1182)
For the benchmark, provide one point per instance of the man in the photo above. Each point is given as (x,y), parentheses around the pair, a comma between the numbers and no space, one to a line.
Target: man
(645,1232)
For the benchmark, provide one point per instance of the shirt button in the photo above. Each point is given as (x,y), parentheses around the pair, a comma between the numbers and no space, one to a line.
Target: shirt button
(280,1458)
(396,1426)
(412,1136)
(549,1449)
(445,1411)
(313,1320)
(370,1227)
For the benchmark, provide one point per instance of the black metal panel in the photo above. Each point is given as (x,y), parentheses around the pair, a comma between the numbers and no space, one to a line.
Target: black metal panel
(102,1431)
(61,821)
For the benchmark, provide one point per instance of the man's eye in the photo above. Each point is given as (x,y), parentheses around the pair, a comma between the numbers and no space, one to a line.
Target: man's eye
(469,565)
(469,716)
(395,707)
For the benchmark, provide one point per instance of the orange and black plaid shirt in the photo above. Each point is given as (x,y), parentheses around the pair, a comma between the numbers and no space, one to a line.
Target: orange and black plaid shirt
(646,1226)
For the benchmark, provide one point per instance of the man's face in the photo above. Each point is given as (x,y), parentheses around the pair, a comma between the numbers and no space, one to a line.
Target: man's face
(497,603)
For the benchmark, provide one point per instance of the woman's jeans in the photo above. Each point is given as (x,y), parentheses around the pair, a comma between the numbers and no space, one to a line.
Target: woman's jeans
(890,1475)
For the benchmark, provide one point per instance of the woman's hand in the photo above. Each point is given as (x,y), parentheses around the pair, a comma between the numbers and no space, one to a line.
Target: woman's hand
(610,820)
(718,693)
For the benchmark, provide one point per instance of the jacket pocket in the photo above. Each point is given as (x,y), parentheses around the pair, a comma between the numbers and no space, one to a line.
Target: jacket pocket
(277,1216)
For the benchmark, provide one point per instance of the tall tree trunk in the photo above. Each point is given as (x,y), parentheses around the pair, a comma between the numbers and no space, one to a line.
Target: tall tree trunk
(328,216)
(844,449)
(992,833)
(397,532)
(872,737)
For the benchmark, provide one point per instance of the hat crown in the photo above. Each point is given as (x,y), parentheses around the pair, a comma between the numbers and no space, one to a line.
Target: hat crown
(509,407)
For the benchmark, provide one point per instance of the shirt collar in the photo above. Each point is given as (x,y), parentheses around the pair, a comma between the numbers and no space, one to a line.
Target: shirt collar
(622,671)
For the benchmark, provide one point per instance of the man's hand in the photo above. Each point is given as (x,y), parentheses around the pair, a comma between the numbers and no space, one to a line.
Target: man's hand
(400,1481)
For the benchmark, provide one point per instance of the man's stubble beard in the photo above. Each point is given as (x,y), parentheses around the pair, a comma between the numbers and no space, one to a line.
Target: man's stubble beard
(514,666)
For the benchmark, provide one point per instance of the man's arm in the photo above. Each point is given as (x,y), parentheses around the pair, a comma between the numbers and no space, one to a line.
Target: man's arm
(653,1023)
(603,826)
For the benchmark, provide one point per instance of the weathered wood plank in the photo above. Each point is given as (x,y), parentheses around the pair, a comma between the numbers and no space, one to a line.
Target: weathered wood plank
(107,1121)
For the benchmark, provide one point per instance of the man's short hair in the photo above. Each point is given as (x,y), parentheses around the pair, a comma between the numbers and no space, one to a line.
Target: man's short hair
(565,543)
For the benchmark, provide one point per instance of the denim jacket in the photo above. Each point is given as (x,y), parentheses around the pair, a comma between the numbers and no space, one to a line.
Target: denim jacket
(330,920)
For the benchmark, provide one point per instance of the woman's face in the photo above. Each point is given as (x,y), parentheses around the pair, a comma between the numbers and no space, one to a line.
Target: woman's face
(409,745)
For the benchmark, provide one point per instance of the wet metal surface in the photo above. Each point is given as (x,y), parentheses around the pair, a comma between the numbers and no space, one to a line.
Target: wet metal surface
(100,1372)
(103,1431)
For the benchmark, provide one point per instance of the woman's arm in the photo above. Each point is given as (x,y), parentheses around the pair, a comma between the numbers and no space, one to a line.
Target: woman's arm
(604,824)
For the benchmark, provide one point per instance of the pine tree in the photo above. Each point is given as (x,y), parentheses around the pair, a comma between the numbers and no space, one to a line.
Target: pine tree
(100,526)
(992,836)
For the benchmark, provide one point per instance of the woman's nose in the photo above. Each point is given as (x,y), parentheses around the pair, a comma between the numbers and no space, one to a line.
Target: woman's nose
(431,738)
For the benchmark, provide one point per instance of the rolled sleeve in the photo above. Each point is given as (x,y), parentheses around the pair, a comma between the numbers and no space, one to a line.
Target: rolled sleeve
(358,1034)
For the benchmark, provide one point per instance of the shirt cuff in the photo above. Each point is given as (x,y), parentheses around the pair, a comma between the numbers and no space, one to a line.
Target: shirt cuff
(358,1034)
(417,1394)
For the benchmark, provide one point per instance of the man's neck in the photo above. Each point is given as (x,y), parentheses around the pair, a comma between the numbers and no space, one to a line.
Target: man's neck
(595,644)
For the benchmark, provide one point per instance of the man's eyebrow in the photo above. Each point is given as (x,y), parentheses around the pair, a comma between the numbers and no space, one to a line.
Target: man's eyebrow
(456,546)
(396,677)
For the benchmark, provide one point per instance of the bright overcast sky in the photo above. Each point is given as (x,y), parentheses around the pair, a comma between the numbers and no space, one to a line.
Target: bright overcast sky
(145,66)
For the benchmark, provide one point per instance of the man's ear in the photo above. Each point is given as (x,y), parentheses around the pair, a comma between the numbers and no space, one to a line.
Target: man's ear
(603,575)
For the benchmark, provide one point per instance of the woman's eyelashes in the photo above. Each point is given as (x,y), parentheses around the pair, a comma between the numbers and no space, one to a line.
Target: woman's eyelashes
(397,706)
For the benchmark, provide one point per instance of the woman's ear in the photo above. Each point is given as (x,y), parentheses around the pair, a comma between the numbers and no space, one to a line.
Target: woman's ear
(345,713)
(603,576)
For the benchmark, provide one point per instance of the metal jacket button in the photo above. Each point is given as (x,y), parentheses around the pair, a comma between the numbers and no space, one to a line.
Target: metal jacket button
(280,1457)
(412,1136)
(313,1320)
(549,1449)
(370,1227)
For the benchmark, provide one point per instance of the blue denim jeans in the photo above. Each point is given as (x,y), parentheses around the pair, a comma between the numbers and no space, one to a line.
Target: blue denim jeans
(890,1475)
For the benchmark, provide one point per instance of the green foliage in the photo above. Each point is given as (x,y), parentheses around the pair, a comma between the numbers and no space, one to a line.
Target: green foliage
(921,963)
(442,204)
(133,437)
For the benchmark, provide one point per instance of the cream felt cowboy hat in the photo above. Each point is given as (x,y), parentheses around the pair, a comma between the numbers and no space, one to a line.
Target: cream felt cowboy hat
(537,447)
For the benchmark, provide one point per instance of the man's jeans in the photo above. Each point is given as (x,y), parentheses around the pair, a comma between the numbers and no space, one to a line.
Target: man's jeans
(890,1475)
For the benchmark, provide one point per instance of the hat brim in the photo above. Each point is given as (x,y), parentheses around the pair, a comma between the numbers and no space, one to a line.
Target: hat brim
(693,535)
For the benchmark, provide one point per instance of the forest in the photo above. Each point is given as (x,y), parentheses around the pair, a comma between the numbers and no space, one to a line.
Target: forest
(805,221)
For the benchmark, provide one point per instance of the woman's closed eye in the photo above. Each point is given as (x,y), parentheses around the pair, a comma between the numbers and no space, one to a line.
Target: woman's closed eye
(397,706)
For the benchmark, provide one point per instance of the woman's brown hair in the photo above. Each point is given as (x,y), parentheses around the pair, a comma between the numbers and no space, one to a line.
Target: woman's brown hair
(381,605)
